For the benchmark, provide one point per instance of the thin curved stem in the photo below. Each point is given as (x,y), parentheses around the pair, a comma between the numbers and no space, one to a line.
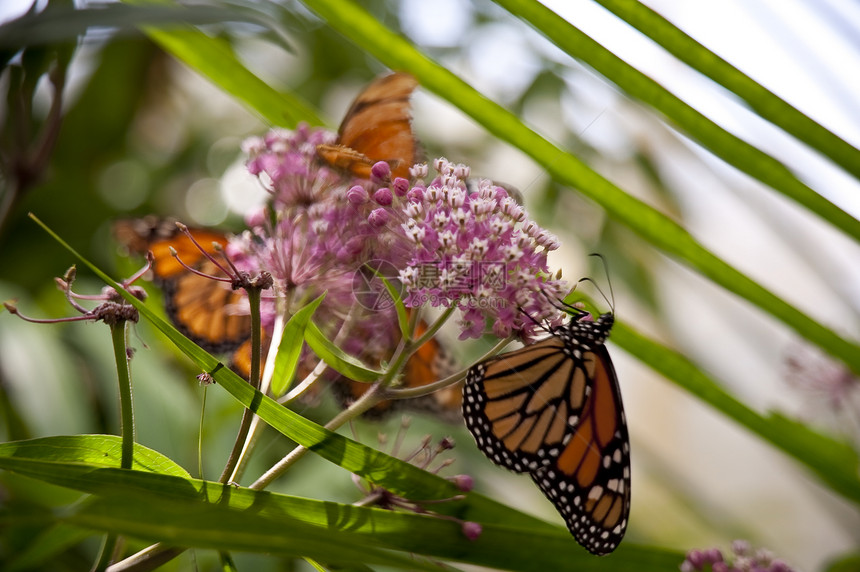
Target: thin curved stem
(247,415)
(411,392)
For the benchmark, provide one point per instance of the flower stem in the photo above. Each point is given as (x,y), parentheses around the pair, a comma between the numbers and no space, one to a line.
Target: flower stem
(412,392)
(120,350)
(106,553)
(200,435)
(368,399)
(126,407)
(248,415)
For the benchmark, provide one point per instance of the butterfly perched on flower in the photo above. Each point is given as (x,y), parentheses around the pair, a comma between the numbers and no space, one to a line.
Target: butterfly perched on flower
(553,410)
(376,128)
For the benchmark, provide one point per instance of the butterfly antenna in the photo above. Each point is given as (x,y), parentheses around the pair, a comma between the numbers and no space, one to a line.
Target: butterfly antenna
(530,317)
(562,305)
(611,298)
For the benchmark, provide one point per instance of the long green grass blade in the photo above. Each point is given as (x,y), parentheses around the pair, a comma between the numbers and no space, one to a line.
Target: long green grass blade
(190,512)
(337,359)
(94,450)
(290,348)
(834,462)
(214,59)
(764,102)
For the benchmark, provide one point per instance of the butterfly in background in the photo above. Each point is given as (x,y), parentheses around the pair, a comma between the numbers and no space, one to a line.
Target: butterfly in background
(553,410)
(209,312)
(377,127)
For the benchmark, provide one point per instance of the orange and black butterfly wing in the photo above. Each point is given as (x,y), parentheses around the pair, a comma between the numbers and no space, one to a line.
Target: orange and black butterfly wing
(589,481)
(522,406)
(553,410)
(377,127)
(208,311)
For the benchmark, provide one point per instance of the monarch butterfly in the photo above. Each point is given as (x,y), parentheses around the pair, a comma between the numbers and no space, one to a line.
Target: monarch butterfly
(553,410)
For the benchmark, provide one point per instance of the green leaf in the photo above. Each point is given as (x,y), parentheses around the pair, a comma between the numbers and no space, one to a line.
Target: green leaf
(214,59)
(65,23)
(399,307)
(190,512)
(95,450)
(337,359)
(835,463)
(290,348)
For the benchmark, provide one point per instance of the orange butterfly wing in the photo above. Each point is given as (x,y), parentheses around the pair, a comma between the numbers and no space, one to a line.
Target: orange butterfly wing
(590,480)
(377,127)
(208,311)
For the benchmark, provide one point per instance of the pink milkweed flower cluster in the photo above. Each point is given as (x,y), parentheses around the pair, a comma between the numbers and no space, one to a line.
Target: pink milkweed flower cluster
(742,559)
(472,249)
(478,250)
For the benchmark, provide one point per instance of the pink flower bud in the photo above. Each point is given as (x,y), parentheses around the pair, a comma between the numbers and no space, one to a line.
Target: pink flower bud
(357,195)
(383,196)
(472,530)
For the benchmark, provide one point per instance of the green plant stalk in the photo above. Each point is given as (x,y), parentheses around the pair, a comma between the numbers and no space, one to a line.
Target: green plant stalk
(711,136)
(764,102)
(123,370)
(247,415)
(257,424)
(356,24)
(367,400)
(200,434)
(105,552)
(126,407)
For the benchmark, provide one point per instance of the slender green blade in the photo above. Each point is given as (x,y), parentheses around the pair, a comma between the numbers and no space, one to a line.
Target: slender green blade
(290,348)
(719,141)
(763,101)
(191,512)
(96,450)
(337,359)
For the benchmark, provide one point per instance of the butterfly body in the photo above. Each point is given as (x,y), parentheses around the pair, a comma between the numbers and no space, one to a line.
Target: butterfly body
(553,410)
